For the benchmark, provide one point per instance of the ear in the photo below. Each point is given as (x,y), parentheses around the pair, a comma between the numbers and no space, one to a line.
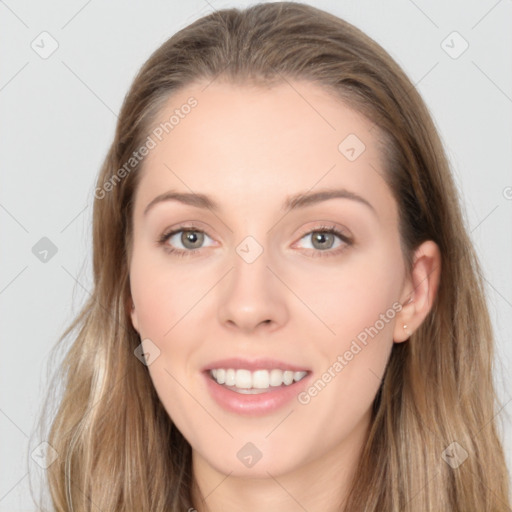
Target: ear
(419,290)
(133,315)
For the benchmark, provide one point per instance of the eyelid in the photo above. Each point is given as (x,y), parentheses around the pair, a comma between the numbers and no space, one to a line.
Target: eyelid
(327,226)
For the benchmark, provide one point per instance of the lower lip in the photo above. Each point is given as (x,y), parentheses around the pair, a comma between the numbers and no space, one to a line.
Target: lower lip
(254,404)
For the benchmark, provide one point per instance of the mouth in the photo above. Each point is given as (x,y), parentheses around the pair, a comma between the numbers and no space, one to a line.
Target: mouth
(254,387)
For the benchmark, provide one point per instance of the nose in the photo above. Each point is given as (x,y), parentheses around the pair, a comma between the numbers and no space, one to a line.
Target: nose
(252,297)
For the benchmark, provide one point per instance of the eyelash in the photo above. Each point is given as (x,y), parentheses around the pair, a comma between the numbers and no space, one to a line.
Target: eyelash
(316,253)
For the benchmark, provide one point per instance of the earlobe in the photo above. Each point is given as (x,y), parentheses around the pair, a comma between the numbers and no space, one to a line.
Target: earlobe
(403,329)
(420,292)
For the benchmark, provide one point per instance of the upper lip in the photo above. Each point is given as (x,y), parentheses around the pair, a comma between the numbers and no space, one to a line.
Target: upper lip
(253,364)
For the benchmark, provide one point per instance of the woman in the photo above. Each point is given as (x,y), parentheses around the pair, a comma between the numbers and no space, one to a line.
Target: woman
(287,310)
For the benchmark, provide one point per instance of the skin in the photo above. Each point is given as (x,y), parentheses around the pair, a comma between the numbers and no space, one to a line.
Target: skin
(249,148)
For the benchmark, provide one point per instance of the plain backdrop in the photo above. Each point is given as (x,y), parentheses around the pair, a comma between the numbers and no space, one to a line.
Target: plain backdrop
(58,113)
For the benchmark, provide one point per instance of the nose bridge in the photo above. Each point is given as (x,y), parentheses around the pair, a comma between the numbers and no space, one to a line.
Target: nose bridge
(251,295)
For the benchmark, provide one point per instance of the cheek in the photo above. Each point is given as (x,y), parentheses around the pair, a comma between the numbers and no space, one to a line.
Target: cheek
(165,294)
(352,295)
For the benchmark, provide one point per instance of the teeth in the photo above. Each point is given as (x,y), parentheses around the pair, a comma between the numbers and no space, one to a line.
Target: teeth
(259,379)
(276,377)
(230,377)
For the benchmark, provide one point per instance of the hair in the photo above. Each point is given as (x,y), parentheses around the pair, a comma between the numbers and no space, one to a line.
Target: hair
(117,447)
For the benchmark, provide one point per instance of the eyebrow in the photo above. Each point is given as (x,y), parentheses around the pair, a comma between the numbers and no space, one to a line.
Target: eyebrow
(294,202)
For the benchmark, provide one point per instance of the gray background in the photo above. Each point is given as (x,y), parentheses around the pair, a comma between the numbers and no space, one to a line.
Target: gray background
(58,116)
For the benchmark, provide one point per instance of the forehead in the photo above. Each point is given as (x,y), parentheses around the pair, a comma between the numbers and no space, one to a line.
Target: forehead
(241,143)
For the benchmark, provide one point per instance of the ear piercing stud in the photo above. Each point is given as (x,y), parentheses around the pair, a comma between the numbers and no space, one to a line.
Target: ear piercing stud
(408,332)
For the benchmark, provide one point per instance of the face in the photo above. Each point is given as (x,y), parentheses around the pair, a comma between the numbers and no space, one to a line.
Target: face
(283,275)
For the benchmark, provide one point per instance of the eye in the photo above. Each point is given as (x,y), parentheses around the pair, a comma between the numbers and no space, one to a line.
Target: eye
(190,238)
(323,240)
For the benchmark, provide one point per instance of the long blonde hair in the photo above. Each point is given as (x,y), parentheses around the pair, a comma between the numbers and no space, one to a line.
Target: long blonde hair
(117,447)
